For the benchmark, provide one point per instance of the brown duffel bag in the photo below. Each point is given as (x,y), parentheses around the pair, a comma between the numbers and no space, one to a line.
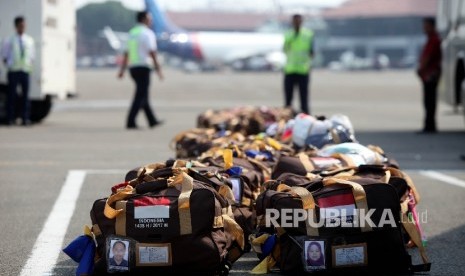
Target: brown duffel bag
(234,189)
(337,242)
(170,225)
(246,119)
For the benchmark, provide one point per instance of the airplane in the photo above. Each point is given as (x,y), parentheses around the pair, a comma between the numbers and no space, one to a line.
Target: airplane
(240,50)
(232,48)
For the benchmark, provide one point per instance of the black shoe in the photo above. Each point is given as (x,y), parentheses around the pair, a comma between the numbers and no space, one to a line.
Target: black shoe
(132,127)
(157,123)
(26,123)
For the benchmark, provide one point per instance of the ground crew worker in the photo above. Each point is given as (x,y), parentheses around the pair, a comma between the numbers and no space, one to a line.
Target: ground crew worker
(141,48)
(18,54)
(429,71)
(298,47)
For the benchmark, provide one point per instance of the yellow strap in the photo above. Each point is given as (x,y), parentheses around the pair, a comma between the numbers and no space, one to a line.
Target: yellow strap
(231,226)
(228,158)
(406,177)
(305,160)
(96,230)
(274,144)
(87,231)
(415,236)
(376,149)
(180,164)
(218,222)
(111,212)
(260,240)
(246,201)
(149,168)
(265,169)
(262,267)
(227,211)
(226,192)
(269,262)
(308,202)
(187,185)
(346,159)
(386,177)
(120,224)
(307,199)
(257,242)
(359,196)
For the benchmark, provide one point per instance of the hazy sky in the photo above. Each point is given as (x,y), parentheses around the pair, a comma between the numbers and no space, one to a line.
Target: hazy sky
(263,5)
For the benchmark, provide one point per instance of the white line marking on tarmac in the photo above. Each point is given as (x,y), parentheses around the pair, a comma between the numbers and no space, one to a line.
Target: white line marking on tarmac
(444,178)
(49,242)
(48,245)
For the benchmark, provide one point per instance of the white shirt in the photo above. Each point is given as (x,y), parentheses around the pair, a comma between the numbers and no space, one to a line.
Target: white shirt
(146,43)
(8,53)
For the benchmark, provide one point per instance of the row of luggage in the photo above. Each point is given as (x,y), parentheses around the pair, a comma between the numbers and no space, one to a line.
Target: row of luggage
(304,205)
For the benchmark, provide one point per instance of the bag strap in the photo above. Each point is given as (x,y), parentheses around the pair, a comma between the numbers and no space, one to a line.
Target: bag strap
(120,223)
(358,193)
(306,162)
(406,177)
(346,159)
(308,202)
(124,193)
(187,185)
(228,158)
(335,172)
(413,232)
(180,178)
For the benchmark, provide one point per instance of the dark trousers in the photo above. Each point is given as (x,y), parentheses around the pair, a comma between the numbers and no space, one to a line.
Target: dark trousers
(141,77)
(290,81)
(15,79)
(429,102)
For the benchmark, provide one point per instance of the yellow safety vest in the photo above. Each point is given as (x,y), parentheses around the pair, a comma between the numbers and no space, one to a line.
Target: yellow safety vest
(297,49)
(21,61)
(133,45)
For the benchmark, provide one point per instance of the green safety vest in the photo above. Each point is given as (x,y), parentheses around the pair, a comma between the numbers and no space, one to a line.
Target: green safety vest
(297,49)
(133,45)
(21,62)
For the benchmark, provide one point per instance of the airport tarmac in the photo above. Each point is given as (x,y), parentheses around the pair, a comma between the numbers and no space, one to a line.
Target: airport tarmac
(52,172)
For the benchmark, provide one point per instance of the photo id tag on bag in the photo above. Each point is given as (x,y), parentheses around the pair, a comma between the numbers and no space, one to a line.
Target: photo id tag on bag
(118,253)
(237,189)
(149,254)
(350,255)
(314,255)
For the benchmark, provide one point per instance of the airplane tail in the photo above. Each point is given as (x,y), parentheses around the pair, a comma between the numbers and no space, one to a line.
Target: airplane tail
(161,23)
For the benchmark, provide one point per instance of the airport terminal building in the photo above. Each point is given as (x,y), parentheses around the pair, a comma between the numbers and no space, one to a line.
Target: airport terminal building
(370,28)
(353,35)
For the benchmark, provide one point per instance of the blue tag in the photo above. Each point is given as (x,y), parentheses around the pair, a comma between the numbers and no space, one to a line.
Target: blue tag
(234,171)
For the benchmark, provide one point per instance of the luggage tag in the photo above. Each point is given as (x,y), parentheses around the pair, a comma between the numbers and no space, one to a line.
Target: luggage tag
(153,254)
(349,255)
(237,188)
(119,254)
(314,255)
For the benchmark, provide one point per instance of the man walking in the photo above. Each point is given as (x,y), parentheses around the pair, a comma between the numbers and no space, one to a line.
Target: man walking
(141,49)
(298,47)
(429,71)
(18,55)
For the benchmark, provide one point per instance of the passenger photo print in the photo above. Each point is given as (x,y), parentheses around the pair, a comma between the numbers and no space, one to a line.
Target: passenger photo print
(314,256)
(118,257)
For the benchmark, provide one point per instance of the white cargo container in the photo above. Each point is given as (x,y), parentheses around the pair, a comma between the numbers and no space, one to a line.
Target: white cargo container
(52,24)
